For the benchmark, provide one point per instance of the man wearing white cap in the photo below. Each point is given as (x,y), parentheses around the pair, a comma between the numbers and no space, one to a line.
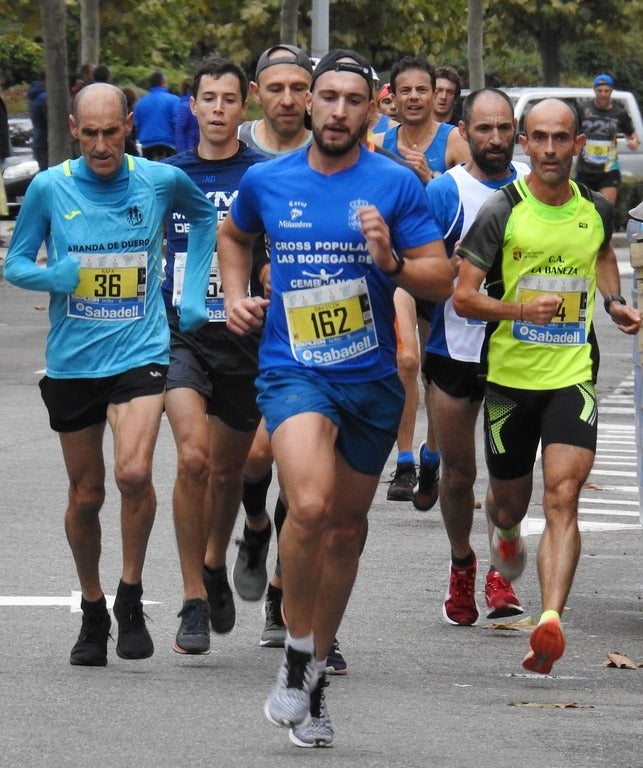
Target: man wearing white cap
(601,121)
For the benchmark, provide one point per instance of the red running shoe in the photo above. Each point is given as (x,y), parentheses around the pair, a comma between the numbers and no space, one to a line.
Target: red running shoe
(500,597)
(547,645)
(508,555)
(460,605)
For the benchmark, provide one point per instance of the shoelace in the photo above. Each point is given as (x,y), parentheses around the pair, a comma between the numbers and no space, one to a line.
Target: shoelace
(404,476)
(273,613)
(463,584)
(193,618)
(252,550)
(91,626)
(134,615)
(497,583)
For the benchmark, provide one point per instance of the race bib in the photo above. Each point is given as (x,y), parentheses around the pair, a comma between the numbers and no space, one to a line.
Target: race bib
(330,324)
(214,302)
(598,152)
(112,286)
(569,326)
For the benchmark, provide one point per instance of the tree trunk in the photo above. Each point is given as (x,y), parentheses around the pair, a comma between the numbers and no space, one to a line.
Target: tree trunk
(89,32)
(57,79)
(289,21)
(475,35)
(549,47)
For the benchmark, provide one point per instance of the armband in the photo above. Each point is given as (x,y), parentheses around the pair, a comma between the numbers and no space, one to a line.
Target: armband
(399,264)
(613,297)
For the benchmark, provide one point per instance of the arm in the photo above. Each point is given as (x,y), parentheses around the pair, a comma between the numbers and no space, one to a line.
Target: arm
(468,301)
(457,150)
(189,200)
(32,227)
(235,262)
(425,272)
(608,281)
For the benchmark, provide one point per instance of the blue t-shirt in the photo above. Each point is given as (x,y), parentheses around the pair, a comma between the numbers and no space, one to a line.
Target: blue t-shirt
(435,153)
(116,319)
(331,307)
(219,179)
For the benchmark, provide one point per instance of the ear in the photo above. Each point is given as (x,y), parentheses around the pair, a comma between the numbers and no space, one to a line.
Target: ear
(129,123)
(579,143)
(309,102)
(372,112)
(462,130)
(523,142)
(254,90)
(73,127)
(193,105)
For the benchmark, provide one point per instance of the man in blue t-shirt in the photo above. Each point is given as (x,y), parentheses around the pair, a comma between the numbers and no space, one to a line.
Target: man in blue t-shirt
(155,119)
(212,370)
(102,218)
(345,227)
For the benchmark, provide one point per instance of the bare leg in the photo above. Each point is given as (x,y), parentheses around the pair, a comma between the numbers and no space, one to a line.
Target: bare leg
(408,366)
(83,456)
(228,450)
(186,413)
(135,426)
(454,420)
(565,469)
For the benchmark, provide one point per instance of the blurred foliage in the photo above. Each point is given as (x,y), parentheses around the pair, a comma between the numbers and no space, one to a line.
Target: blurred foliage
(138,36)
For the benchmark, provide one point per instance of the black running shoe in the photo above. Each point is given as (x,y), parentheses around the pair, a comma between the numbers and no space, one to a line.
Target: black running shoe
(249,573)
(194,632)
(134,641)
(274,630)
(428,488)
(91,647)
(335,662)
(222,611)
(402,483)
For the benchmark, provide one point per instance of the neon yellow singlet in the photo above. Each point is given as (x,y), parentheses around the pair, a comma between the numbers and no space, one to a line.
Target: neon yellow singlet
(548,249)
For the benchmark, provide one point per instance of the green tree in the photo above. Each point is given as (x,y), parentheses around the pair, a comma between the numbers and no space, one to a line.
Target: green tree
(58,137)
(553,23)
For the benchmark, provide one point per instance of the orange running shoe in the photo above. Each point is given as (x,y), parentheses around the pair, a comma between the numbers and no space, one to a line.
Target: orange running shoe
(547,645)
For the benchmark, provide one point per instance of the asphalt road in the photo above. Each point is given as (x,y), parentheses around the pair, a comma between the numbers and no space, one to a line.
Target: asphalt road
(418,693)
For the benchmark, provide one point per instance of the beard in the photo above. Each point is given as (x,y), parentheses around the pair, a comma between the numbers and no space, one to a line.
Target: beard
(337,149)
(492,165)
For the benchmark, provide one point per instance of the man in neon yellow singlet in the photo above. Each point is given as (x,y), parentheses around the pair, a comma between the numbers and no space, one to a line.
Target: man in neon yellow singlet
(542,247)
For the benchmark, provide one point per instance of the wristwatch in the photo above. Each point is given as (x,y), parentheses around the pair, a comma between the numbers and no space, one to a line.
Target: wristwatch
(399,264)
(613,297)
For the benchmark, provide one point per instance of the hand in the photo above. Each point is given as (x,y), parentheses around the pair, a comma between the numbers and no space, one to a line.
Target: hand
(417,160)
(626,318)
(377,235)
(542,309)
(246,314)
(66,275)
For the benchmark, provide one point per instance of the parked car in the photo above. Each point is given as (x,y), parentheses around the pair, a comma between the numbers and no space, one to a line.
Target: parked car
(20,167)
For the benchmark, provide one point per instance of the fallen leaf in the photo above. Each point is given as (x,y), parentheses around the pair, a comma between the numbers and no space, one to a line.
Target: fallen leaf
(549,705)
(592,487)
(620,661)
(527,623)
(40,307)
